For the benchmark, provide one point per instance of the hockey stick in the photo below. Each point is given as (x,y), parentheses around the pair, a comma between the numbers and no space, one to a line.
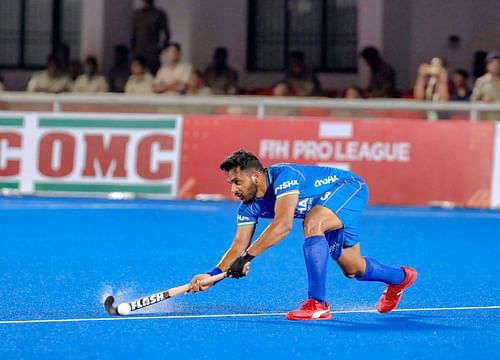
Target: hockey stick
(126,308)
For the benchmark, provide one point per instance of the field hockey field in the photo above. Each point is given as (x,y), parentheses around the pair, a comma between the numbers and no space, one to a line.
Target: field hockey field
(59,258)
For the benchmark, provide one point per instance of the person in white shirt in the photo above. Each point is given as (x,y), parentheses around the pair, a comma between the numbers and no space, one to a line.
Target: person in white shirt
(141,80)
(51,80)
(174,75)
(90,81)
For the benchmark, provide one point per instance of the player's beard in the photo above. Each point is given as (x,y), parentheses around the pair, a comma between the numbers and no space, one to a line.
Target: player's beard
(251,195)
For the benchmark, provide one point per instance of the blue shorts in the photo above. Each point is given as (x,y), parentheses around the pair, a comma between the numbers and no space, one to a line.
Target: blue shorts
(346,199)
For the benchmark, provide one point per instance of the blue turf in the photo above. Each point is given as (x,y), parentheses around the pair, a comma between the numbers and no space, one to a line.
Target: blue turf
(59,257)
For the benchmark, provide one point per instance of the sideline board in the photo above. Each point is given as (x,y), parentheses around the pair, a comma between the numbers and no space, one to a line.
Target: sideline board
(90,153)
(403,161)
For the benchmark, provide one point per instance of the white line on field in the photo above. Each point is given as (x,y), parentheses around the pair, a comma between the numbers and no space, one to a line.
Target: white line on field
(129,318)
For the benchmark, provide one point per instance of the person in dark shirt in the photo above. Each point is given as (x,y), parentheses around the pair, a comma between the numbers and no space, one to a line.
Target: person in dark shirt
(299,80)
(120,72)
(149,26)
(383,76)
(461,90)
(219,76)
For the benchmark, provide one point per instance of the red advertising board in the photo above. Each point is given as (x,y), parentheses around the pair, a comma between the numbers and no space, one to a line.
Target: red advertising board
(402,161)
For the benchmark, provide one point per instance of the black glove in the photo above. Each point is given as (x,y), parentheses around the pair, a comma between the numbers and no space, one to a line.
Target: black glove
(236,268)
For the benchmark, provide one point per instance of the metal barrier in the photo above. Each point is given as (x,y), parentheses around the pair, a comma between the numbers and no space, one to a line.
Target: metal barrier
(251,105)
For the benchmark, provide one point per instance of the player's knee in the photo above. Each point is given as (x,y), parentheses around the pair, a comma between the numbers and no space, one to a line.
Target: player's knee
(313,226)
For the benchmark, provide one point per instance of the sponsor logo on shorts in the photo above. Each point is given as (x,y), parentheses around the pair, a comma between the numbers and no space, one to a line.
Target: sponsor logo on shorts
(303,207)
(326,181)
(286,185)
(146,301)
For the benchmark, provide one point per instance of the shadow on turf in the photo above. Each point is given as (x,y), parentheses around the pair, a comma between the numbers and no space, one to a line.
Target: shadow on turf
(393,322)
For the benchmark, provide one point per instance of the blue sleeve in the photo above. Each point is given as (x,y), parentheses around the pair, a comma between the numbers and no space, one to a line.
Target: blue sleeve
(287,181)
(246,216)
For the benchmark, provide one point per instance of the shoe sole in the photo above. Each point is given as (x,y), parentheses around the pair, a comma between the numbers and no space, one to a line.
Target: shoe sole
(308,319)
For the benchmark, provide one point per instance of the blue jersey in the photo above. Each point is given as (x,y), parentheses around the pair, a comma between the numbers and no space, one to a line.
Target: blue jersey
(311,183)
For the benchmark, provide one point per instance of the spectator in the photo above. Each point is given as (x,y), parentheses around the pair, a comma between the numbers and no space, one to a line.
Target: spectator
(52,80)
(432,81)
(90,81)
(196,86)
(487,87)
(173,77)
(141,81)
(461,90)
(353,92)
(149,25)
(479,64)
(382,75)
(219,76)
(120,72)
(299,80)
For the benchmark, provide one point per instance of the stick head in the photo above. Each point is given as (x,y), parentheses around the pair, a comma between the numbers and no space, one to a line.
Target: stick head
(108,305)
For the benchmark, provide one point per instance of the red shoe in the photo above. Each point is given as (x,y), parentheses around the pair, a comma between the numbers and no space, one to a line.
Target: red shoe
(311,310)
(392,294)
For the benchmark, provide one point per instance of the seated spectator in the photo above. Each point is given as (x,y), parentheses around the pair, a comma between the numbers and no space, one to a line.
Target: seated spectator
(382,75)
(120,72)
(432,81)
(51,80)
(173,76)
(461,90)
(282,89)
(299,80)
(196,85)
(487,87)
(90,81)
(353,92)
(141,80)
(219,76)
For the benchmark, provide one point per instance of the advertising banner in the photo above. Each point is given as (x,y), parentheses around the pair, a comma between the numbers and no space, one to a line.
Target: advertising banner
(90,153)
(403,162)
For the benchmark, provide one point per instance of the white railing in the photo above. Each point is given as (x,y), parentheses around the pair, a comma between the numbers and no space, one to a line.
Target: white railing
(261,106)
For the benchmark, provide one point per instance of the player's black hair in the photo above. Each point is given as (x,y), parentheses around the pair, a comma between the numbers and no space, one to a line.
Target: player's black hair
(242,159)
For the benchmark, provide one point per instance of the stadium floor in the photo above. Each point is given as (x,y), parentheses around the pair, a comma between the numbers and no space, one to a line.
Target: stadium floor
(60,257)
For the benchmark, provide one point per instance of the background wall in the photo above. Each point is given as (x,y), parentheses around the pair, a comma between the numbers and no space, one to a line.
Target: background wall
(407,32)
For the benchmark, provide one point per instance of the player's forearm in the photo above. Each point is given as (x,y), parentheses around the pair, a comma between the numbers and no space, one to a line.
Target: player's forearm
(231,254)
(270,237)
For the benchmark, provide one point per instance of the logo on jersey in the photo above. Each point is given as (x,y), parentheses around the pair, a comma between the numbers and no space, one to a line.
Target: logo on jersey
(303,207)
(243,218)
(286,185)
(326,181)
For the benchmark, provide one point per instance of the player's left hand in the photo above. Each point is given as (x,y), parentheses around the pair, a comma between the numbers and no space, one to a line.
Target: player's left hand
(240,266)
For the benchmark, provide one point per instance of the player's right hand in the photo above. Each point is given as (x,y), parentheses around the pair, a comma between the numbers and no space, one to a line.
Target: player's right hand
(195,283)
